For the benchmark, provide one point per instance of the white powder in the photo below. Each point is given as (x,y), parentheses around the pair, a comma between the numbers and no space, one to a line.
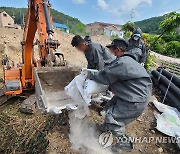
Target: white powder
(83,133)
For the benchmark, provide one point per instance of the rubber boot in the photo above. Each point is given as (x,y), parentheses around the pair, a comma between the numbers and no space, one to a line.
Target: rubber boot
(123,144)
(102,127)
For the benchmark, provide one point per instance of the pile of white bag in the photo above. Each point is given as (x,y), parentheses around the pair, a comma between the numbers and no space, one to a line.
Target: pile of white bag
(81,89)
(169,121)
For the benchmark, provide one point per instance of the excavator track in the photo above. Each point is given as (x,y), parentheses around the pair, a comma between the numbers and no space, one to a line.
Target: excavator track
(3,97)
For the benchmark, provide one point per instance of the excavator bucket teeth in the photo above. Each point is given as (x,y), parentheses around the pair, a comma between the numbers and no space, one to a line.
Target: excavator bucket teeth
(49,86)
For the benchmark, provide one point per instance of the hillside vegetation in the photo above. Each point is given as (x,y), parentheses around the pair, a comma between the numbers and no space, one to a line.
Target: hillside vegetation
(150,25)
(168,43)
(76,26)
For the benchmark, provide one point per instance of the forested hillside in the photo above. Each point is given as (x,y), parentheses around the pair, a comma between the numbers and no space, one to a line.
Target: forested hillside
(150,25)
(76,27)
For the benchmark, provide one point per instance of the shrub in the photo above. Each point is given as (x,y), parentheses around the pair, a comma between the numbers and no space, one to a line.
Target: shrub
(150,61)
(172,49)
(114,37)
(171,37)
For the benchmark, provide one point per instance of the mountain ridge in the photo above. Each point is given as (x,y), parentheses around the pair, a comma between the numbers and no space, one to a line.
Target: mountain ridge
(75,25)
(150,25)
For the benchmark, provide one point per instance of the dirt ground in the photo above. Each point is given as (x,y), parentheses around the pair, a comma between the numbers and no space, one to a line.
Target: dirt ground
(144,126)
(37,133)
(10,40)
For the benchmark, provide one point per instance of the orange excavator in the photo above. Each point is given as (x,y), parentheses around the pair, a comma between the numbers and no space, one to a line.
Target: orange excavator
(26,77)
(38,19)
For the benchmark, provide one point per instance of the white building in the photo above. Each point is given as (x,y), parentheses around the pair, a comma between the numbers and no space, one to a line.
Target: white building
(113,30)
(6,20)
(99,28)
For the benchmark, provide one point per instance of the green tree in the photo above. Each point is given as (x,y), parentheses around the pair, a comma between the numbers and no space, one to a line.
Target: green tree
(172,49)
(171,37)
(150,25)
(114,37)
(150,61)
(171,22)
(128,29)
(129,26)
(76,26)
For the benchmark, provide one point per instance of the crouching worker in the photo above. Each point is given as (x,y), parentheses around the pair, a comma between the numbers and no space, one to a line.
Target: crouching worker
(131,85)
(97,55)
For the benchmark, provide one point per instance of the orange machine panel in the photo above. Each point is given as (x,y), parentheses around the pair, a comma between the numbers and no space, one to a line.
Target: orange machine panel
(12,74)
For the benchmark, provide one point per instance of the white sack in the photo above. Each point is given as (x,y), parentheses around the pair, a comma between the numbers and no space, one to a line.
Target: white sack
(91,87)
(168,122)
(81,90)
(75,90)
(164,108)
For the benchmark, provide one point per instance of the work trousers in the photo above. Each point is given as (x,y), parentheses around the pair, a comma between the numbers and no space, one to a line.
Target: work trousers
(119,113)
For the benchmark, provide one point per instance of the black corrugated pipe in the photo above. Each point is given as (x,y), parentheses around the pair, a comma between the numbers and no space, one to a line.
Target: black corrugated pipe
(155,81)
(170,98)
(168,75)
(164,81)
(47,18)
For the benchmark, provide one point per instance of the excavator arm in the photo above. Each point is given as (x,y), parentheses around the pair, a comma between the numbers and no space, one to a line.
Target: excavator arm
(38,20)
(38,73)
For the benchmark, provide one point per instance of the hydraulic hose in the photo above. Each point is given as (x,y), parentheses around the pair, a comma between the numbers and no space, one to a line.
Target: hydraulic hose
(47,18)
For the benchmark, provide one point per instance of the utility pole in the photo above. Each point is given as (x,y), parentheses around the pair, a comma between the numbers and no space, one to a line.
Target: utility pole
(20,16)
(13,16)
(23,18)
(132,15)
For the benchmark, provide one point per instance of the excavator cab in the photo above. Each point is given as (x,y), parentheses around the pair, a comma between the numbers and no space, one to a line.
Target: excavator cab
(12,80)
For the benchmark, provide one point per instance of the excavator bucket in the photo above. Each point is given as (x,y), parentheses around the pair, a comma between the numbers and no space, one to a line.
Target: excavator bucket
(49,86)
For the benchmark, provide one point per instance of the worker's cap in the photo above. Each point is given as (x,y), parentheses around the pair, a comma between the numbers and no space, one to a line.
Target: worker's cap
(137,32)
(120,42)
(88,39)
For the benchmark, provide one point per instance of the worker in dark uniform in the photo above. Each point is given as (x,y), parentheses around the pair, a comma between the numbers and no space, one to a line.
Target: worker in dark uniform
(131,85)
(97,55)
(4,60)
(137,46)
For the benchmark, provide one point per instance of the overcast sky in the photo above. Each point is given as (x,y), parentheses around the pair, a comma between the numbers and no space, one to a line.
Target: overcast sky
(111,11)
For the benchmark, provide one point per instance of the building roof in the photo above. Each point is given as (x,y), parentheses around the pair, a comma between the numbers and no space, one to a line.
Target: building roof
(113,27)
(104,24)
(58,25)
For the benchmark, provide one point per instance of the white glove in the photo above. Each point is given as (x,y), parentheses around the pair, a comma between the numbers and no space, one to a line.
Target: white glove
(84,72)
